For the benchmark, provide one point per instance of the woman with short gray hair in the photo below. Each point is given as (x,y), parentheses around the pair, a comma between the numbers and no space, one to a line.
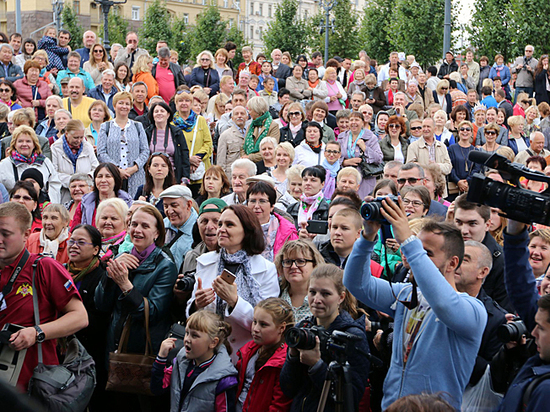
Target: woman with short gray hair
(262,126)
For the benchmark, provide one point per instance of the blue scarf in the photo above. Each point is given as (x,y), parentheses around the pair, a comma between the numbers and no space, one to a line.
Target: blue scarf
(73,157)
(185,125)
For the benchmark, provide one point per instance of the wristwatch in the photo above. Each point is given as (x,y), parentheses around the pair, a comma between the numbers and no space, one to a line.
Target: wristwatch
(40,335)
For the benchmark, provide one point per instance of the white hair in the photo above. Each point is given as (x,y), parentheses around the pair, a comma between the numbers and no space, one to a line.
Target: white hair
(246,164)
(108,72)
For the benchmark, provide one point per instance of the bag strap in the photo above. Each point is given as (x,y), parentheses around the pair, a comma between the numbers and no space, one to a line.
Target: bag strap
(194,136)
(35,304)
(126,331)
(537,380)
(15,172)
(9,286)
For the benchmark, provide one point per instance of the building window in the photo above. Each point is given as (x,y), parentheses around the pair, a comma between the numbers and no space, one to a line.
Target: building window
(76,6)
(251,8)
(261,9)
(251,32)
(231,22)
(269,11)
(261,32)
(305,14)
(135,12)
(226,3)
(186,18)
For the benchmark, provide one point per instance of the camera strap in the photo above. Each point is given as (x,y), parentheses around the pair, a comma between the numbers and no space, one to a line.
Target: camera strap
(9,286)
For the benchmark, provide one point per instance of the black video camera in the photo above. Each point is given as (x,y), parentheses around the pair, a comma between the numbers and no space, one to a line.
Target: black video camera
(372,210)
(513,331)
(516,202)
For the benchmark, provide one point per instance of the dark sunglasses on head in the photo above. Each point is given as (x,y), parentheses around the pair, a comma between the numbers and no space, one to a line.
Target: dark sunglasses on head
(183,91)
(411,180)
(160,154)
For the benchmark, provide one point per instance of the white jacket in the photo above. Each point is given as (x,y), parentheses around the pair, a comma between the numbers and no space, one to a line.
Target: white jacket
(303,155)
(86,163)
(241,317)
(51,179)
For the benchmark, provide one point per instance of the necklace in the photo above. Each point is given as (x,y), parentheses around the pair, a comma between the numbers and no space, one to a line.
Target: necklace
(465,156)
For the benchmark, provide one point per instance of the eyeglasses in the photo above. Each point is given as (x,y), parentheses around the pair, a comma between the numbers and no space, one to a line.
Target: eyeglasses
(416,128)
(490,132)
(300,263)
(205,60)
(444,88)
(394,126)
(465,129)
(5,90)
(19,197)
(79,243)
(295,114)
(415,203)
(332,151)
(411,180)
(528,51)
(258,201)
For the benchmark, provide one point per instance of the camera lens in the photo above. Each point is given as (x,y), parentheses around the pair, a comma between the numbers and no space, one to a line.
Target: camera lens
(511,332)
(300,338)
(371,211)
(186,284)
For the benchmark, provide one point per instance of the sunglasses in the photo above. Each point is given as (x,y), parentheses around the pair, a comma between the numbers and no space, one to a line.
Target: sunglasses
(491,132)
(394,126)
(98,51)
(5,90)
(444,88)
(465,129)
(160,154)
(411,180)
(416,128)
(295,114)
(183,91)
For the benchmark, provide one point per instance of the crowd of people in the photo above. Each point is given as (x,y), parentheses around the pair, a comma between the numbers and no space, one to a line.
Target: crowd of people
(227,197)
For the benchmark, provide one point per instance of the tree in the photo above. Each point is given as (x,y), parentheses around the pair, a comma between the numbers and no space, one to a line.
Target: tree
(528,30)
(286,31)
(237,36)
(492,30)
(209,32)
(70,23)
(344,38)
(118,28)
(417,28)
(179,39)
(156,26)
(373,34)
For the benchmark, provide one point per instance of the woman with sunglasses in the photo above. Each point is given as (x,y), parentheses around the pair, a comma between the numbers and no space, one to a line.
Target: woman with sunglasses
(98,63)
(490,133)
(394,145)
(8,95)
(294,131)
(491,115)
(159,176)
(164,137)
(443,97)
(205,75)
(463,168)
(25,193)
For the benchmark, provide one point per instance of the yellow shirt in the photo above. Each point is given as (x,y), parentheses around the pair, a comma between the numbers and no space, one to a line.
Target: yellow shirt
(80,112)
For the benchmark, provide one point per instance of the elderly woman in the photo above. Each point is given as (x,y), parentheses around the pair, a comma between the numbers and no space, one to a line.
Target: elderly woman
(25,152)
(435,182)
(380,124)
(46,128)
(98,63)
(123,142)
(443,97)
(98,113)
(297,85)
(241,243)
(463,168)
(261,198)
(142,73)
(52,239)
(164,137)
(294,177)
(360,145)
(61,118)
(80,184)
(159,176)
(205,75)
(501,70)
(358,84)
(32,91)
(348,178)
(107,185)
(42,57)
(262,125)
(8,95)
(394,145)
(416,200)
(25,193)
(72,154)
(532,120)
(336,93)
(197,136)
(441,132)
(517,140)
(317,86)
(221,58)
(267,151)
(295,262)
(319,113)
(215,184)
(110,220)
(284,157)
(311,151)
(294,131)
(146,272)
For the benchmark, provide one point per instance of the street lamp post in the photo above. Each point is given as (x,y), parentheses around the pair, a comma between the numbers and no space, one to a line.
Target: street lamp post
(57,9)
(106,6)
(327,5)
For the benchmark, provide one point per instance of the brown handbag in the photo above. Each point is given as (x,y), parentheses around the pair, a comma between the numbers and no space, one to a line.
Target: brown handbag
(129,372)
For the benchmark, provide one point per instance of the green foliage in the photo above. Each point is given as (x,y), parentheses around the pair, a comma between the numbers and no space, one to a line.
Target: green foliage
(375,27)
(237,36)
(286,31)
(530,29)
(179,33)
(70,22)
(209,32)
(417,28)
(491,28)
(156,26)
(118,28)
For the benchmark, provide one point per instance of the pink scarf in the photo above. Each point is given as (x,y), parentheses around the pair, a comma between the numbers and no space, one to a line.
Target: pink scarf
(294,129)
(308,206)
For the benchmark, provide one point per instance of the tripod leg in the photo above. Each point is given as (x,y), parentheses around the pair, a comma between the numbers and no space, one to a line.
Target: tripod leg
(324,395)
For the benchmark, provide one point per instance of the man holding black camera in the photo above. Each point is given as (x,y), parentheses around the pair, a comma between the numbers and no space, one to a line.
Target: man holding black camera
(427,330)
(525,67)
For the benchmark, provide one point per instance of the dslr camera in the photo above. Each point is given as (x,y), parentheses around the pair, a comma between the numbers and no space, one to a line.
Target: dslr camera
(516,202)
(372,210)
(513,331)
(187,283)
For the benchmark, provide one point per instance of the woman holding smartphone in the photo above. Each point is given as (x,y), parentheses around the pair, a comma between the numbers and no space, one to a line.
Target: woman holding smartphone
(232,280)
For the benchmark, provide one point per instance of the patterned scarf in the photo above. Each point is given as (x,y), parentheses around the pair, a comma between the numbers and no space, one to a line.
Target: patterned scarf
(69,152)
(270,232)
(308,205)
(185,125)
(246,284)
(78,273)
(263,121)
(315,148)
(18,158)
(294,129)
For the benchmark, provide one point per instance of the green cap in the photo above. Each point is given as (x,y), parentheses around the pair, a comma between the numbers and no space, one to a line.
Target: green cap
(220,204)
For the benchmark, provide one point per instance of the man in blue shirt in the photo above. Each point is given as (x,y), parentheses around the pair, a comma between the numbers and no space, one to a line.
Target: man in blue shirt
(437,330)
(487,97)
(89,38)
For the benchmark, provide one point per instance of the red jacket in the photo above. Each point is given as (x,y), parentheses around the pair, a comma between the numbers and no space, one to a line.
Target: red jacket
(33,246)
(254,68)
(265,392)
(25,96)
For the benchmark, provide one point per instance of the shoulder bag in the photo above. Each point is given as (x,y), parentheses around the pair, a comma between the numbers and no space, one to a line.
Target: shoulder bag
(369,170)
(129,372)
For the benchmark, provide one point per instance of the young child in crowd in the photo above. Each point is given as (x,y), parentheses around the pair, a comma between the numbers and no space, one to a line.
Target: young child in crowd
(254,82)
(261,359)
(201,374)
(332,165)
(268,93)
(49,43)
